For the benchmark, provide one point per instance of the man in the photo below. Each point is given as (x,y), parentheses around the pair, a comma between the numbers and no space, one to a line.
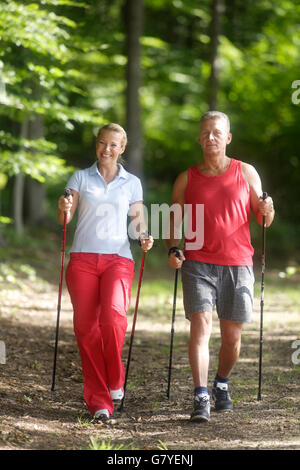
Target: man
(216,267)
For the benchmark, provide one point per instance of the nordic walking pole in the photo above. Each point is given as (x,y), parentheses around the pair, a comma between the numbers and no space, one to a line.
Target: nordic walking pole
(177,254)
(265,195)
(133,328)
(67,193)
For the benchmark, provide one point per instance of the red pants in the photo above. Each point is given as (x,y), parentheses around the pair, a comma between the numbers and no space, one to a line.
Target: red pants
(100,288)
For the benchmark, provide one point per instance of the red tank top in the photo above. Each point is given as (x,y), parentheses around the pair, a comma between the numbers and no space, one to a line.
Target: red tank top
(226,215)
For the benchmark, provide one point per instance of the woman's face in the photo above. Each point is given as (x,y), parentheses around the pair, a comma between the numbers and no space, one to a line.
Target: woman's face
(109,147)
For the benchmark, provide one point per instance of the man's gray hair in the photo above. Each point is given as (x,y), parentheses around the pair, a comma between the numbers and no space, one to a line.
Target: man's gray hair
(215,115)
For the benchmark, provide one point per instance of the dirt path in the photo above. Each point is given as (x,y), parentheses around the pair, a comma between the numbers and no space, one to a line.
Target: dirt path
(33,417)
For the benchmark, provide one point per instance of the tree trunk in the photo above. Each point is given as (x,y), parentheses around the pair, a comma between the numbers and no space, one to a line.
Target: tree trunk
(217,10)
(29,194)
(18,203)
(35,211)
(134,25)
(18,190)
(2,186)
(35,193)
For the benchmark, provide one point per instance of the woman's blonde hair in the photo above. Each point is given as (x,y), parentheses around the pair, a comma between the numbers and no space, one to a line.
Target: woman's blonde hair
(115,128)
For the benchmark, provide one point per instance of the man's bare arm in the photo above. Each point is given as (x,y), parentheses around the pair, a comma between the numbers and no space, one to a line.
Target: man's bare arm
(259,206)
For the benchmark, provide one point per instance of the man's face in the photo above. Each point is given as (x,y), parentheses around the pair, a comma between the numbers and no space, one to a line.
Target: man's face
(214,136)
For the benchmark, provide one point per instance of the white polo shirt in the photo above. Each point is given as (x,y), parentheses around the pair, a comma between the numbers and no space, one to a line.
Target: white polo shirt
(103,210)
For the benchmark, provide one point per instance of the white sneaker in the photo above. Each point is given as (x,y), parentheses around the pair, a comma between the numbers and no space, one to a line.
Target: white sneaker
(102,415)
(117,395)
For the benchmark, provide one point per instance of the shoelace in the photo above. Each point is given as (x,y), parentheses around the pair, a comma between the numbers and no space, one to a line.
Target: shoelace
(201,401)
(221,394)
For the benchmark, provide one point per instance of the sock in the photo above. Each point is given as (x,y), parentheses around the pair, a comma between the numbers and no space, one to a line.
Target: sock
(220,380)
(201,391)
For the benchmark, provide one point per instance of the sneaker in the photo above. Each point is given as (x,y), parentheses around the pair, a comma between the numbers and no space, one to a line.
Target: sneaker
(201,408)
(221,397)
(117,395)
(102,415)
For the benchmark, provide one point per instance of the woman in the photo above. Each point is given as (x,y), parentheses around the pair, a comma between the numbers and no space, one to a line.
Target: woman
(101,269)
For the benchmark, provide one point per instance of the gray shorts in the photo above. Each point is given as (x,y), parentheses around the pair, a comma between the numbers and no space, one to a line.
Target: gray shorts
(228,288)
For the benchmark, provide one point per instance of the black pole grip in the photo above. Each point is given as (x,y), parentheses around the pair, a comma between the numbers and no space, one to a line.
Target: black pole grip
(175,250)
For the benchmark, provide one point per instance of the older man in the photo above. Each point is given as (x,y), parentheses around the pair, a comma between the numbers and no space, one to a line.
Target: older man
(217,266)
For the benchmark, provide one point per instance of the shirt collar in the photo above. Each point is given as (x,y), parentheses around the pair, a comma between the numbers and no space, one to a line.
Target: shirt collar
(122,172)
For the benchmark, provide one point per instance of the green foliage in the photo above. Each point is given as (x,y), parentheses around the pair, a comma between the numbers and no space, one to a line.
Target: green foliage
(12,273)
(103,445)
(95,444)
(39,79)
(37,165)
(34,28)
(265,122)
(161,445)
(64,62)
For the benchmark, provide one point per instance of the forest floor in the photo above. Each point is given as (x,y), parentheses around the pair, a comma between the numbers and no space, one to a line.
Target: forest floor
(32,417)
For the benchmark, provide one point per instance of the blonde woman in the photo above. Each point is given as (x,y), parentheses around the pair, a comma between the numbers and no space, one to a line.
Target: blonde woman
(101,268)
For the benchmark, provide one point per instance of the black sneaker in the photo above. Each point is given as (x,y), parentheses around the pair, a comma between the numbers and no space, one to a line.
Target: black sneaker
(201,408)
(221,397)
